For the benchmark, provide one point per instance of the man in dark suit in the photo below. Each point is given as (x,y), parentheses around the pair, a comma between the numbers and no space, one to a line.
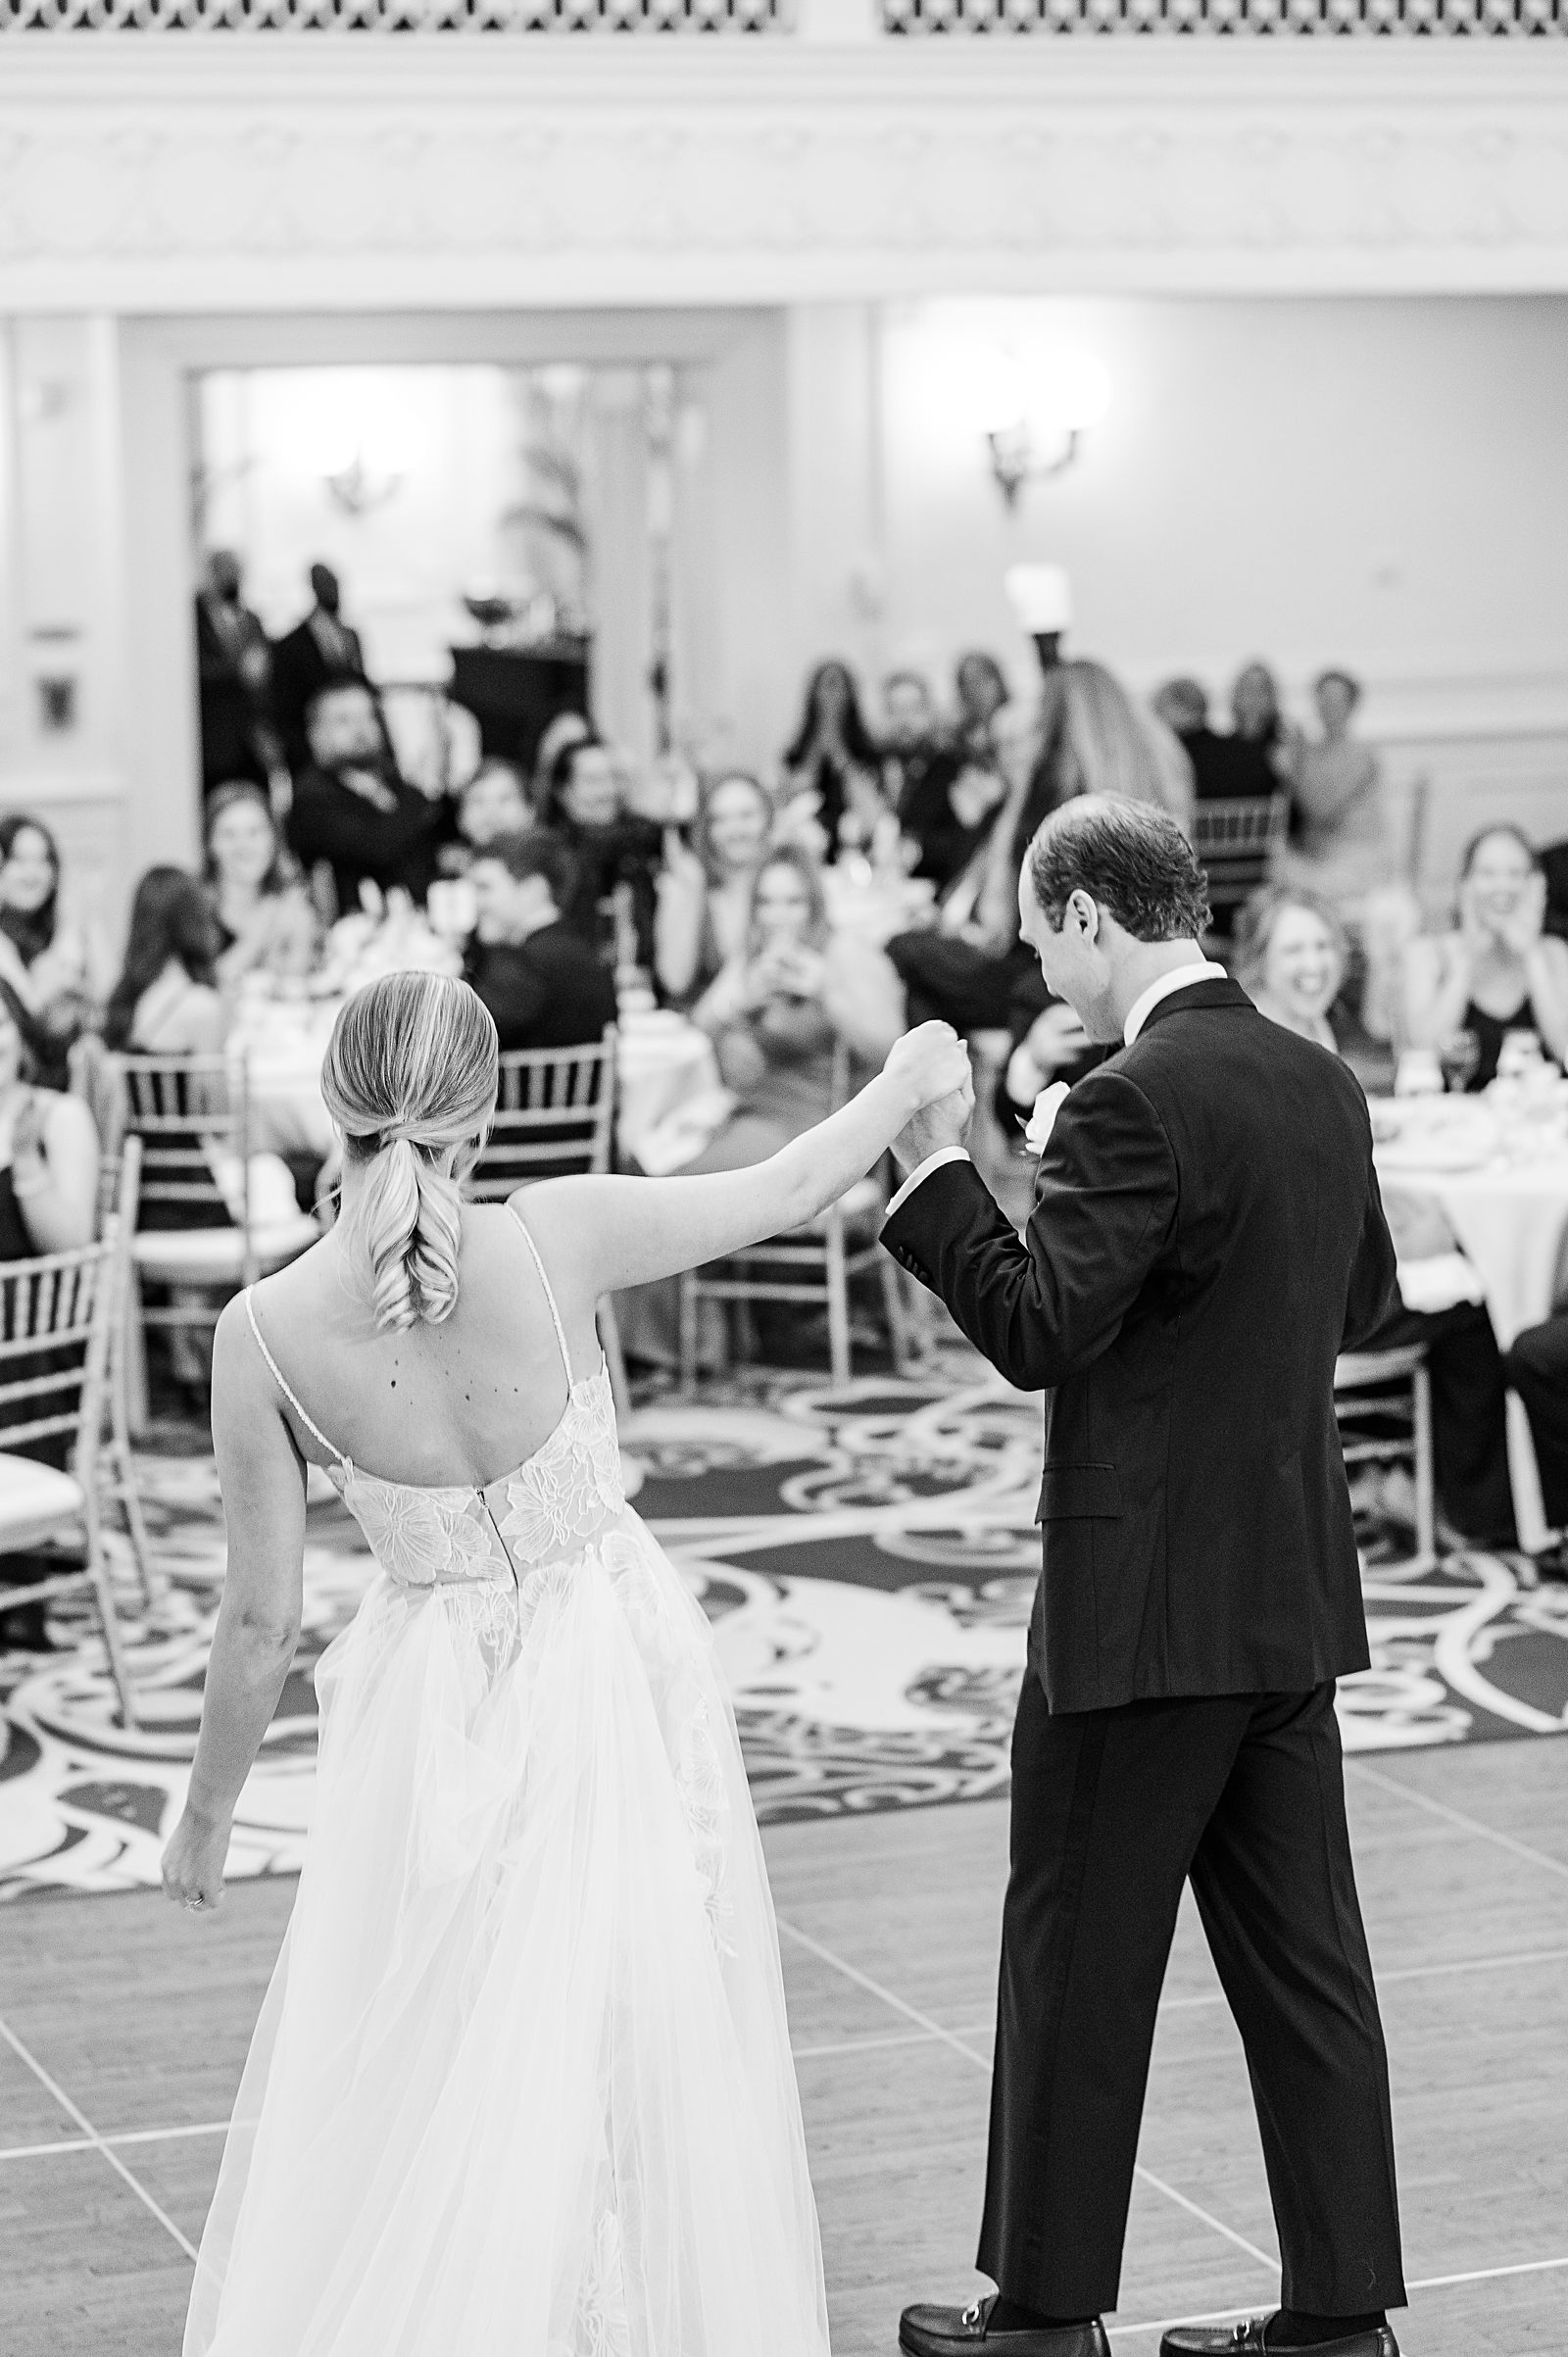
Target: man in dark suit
(544,985)
(320,647)
(233,668)
(352,814)
(1206,1238)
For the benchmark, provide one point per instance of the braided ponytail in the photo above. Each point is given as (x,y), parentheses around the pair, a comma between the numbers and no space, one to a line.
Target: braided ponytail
(410,1079)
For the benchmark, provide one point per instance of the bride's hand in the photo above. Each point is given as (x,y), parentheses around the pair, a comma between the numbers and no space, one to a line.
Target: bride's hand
(193,1862)
(929,1062)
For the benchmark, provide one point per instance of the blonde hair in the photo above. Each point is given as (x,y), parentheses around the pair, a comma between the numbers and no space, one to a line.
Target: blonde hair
(1115,746)
(410,1079)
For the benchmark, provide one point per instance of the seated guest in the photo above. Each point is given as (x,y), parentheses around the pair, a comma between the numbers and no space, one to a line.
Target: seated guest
(1497,970)
(1292,956)
(1536,1368)
(1257,720)
(494,802)
(783,1006)
(704,892)
(353,817)
(943,796)
(1225,768)
(55,967)
(252,883)
(1340,842)
(318,649)
(542,983)
(611,849)
(48,1203)
(165,1003)
(832,766)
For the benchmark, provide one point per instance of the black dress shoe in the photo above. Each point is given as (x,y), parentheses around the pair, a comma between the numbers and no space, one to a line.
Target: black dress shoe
(1251,2340)
(963,2332)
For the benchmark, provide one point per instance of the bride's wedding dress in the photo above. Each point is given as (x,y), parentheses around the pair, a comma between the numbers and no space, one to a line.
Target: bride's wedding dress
(522,2084)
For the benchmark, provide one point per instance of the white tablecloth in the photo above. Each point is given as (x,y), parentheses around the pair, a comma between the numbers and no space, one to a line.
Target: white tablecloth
(665,1065)
(1510,1215)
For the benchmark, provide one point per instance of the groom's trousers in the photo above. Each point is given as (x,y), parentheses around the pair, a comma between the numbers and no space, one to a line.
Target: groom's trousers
(1113,1810)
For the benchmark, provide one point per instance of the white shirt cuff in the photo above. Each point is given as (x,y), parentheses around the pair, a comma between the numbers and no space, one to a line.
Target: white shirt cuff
(923,1171)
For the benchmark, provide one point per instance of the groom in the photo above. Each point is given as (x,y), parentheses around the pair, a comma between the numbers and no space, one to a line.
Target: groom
(1206,1238)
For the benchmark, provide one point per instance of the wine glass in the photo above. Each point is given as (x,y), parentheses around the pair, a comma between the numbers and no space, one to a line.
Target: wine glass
(1460,1058)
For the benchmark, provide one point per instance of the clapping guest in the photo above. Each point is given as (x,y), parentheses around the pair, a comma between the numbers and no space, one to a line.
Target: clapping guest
(611,848)
(783,1006)
(942,794)
(250,880)
(544,986)
(982,697)
(833,765)
(353,817)
(704,892)
(1497,970)
(55,966)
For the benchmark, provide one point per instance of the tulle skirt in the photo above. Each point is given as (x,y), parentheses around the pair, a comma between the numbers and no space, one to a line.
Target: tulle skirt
(522,2084)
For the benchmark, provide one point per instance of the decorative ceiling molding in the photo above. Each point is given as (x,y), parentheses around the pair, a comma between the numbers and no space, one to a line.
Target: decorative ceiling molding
(324,172)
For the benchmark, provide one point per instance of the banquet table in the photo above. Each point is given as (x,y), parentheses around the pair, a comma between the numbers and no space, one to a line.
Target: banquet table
(1502,1186)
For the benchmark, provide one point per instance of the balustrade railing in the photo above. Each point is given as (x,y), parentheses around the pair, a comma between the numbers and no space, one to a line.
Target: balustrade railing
(1287,20)
(1329,19)
(633,17)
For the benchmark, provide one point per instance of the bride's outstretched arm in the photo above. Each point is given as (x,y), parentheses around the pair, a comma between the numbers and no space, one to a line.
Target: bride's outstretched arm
(629,1231)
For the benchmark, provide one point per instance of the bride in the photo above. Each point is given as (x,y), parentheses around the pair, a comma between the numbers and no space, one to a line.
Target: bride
(521,2083)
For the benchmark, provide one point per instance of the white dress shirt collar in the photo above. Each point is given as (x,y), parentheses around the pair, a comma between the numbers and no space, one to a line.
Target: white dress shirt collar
(1178,978)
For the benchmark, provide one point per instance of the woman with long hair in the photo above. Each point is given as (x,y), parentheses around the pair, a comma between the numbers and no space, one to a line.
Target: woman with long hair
(55,965)
(1495,969)
(251,880)
(704,892)
(1089,737)
(165,1003)
(522,2076)
(833,765)
(792,1005)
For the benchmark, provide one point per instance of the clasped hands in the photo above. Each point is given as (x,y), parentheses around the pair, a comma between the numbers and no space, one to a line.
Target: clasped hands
(935,1063)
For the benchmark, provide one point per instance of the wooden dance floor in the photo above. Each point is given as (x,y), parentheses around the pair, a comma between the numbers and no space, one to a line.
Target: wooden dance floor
(124,2025)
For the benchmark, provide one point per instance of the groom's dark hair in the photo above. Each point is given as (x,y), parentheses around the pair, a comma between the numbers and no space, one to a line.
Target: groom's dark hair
(1131,858)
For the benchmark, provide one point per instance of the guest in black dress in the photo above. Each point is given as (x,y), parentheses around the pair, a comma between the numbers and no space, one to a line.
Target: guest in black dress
(1498,970)
(612,850)
(832,768)
(48,1203)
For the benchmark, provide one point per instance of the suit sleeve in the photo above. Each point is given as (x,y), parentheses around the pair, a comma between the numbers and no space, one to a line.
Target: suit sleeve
(1374,1290)
(1043,1305)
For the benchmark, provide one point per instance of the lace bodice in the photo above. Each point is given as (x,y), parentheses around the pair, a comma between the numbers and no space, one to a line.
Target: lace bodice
(546,1511)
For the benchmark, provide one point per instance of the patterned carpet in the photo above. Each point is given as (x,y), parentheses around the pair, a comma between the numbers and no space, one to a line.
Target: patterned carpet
(867,1558)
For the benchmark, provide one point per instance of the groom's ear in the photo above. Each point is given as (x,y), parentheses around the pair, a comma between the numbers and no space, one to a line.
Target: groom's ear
(1083,912)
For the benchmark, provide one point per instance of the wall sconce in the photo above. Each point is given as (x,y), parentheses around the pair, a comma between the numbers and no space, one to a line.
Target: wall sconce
(357,486)
(1034,424)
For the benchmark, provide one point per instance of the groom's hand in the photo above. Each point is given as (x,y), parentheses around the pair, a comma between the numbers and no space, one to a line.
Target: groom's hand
(945,1123)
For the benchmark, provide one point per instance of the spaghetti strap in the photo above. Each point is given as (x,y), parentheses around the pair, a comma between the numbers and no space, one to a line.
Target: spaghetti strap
(284,1385)
(560,1331)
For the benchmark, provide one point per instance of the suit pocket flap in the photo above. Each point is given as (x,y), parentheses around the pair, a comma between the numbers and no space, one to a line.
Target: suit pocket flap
(1068,1491)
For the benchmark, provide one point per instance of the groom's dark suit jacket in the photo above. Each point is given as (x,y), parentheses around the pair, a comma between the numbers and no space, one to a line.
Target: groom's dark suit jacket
(1207,1237)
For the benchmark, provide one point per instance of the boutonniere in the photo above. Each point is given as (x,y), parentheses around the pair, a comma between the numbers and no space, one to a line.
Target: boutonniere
(1048,1105)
